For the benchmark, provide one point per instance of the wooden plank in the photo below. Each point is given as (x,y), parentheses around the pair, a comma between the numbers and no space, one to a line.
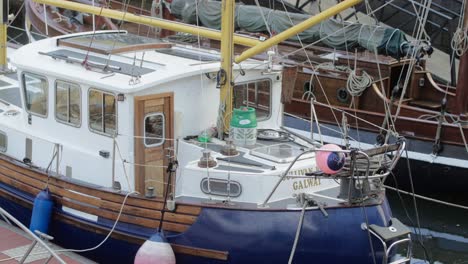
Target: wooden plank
(146,222)
(187,209)
(178,218)
(19,185)
(175,227)
(200,252)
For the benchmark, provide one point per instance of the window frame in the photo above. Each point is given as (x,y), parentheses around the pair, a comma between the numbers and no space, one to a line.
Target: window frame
(164,130)
(102,111)
(5,148)
(23,82)
(256,95)
(68,104)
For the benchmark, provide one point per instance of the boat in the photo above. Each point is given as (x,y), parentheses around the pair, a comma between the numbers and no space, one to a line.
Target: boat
(127,136)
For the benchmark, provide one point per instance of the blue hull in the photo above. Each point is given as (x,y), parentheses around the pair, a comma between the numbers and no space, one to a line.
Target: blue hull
(247,236)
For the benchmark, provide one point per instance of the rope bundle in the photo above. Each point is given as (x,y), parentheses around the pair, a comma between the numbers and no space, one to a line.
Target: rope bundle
(356,85)
(460,41)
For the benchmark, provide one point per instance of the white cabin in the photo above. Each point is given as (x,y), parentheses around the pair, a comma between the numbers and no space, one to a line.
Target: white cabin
(148,96)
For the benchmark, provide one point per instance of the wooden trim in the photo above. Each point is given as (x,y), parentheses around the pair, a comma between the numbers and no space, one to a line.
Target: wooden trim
(139,148)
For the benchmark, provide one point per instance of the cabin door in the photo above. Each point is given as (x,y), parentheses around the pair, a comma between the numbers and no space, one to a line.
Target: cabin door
(153,141)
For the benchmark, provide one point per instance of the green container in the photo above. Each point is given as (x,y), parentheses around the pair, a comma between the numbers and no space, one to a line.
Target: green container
(243,130)
(244,117)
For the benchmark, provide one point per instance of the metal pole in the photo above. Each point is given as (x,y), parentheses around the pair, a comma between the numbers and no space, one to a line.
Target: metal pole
(94,20)
(25,229)
(3,34)
(113,163)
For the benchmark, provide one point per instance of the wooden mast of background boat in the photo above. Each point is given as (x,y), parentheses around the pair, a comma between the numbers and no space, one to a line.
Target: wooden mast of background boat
(462,84)
(3,35)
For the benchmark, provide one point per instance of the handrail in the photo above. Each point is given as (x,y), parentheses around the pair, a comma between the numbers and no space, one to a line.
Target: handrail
(294,161)
(358,152)
(37,239)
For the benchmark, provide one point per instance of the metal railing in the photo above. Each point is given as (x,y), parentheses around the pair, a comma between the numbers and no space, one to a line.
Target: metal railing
(362,154)
(35,238)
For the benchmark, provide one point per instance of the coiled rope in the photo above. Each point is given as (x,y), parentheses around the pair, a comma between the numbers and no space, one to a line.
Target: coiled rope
(460,41)
(356,84)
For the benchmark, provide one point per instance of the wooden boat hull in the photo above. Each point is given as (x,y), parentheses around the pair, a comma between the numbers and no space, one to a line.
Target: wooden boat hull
(218,235)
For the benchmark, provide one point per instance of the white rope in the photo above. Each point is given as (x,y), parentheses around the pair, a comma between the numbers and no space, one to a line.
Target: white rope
(460,41)
(356,85)
(427,198)
(460,38)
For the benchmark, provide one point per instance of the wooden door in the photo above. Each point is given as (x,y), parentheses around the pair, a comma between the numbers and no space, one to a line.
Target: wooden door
(154,134)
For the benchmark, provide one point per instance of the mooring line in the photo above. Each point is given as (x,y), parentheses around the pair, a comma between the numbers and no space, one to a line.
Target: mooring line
(428,198)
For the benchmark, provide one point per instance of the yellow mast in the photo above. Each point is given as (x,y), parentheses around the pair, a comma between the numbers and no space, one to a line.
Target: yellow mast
(3,35)
(227,53)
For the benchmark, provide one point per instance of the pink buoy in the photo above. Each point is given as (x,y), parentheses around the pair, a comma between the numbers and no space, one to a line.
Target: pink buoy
(155,250)
(329,161)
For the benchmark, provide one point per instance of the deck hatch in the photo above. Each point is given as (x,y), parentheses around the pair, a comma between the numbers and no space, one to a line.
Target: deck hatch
(98,62)
(11,95)
(112,43)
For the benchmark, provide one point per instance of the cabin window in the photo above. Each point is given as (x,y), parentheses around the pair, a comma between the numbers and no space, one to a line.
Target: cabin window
(35,93)
(3,141)
(255,94)
(68,103)
(102,112)
(154,129)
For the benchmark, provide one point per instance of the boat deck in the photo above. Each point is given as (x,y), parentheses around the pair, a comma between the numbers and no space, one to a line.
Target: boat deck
(14,243)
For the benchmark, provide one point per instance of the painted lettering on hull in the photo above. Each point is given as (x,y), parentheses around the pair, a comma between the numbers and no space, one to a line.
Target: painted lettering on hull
(306,183)
(301,172)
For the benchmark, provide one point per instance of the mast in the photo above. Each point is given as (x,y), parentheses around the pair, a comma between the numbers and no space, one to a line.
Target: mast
(225,73)
(3,35)
(462,84)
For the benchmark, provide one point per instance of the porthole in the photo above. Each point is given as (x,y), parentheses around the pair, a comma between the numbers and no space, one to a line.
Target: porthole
(308,87)
(220,187)
(342,95)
